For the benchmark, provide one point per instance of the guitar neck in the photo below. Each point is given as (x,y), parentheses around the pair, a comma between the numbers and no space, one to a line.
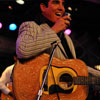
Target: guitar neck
(82,80)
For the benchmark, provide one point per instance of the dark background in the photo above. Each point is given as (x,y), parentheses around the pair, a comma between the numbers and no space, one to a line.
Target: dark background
(85,28)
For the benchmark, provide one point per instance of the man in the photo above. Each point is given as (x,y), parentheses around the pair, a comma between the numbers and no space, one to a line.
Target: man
(36,37)
(39,36)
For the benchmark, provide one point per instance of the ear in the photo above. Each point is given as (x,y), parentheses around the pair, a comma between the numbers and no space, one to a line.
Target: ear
(42,7)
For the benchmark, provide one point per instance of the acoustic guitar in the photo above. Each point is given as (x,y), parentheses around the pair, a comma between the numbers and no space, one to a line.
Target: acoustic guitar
(7,97)
(67,77)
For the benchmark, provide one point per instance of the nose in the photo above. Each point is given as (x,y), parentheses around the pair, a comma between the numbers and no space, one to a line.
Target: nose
(61,7)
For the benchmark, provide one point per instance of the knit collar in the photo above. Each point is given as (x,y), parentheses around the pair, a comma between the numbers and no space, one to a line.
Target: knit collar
(40,19)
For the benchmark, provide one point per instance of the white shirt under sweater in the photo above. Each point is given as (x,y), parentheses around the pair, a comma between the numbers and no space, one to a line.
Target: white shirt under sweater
(6,79)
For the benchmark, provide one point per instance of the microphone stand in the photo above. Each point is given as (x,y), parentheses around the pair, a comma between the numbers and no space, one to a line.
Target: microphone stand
(50,60)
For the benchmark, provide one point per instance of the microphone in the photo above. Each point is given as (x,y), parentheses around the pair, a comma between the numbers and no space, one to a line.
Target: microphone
(62,32)
(67,14)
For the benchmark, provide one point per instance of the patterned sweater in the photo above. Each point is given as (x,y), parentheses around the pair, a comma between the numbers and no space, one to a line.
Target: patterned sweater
(34,39)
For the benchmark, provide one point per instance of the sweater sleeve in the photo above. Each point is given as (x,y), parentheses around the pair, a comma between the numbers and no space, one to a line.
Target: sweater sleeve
(4,88)
(34,39)
(5,79)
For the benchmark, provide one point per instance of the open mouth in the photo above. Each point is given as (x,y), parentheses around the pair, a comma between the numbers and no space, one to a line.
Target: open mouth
(58,14)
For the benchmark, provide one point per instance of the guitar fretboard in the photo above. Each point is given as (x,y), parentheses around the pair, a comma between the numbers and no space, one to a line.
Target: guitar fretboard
(82,80)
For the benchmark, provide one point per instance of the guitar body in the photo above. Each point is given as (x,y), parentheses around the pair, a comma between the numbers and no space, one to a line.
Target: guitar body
(27,81)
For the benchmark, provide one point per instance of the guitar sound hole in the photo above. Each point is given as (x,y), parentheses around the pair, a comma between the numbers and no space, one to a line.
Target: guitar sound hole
(65,81)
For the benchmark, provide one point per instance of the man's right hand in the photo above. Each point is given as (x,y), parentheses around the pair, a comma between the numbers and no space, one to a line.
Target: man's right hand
(61,24)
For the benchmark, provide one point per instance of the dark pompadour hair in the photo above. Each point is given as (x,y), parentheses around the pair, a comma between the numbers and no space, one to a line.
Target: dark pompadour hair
(45,2)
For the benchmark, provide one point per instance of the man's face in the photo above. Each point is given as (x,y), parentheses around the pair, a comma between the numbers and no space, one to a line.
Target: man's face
(55,10)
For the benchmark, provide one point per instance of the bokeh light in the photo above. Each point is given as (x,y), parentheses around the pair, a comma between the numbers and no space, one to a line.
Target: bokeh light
(12,27)
(21,2)
(0,25)
(67,31)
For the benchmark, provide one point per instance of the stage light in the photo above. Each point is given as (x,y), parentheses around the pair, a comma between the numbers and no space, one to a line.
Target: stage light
(0,25)
(67,31)
(70,8)
(97,67)
(10,7)
(21,2)
(12,27)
